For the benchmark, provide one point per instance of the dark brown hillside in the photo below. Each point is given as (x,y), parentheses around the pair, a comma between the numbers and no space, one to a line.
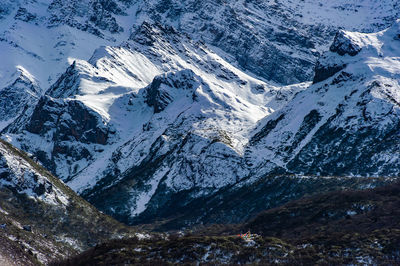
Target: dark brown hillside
(336,228)
(343,211)
(34,231)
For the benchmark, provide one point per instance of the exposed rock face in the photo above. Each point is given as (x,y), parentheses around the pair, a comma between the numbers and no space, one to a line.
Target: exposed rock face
(70,126)
(91,16)
(67,121)
(158,93)
(277,40)
(344,44)
(323,71)
(328,65)
(24,15)
(17,97)
(149,33)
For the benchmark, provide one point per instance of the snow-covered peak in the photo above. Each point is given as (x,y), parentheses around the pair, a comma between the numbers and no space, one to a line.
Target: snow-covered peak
(18,95)
(268,38)
(22,78)
(361,53)
(345,123)
(347,43)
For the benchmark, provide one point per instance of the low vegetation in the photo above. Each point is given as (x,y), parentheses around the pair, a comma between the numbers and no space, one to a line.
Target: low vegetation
(336,228)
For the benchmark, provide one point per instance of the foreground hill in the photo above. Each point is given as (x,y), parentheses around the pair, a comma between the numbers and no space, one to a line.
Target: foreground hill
(41,218)
(346,227)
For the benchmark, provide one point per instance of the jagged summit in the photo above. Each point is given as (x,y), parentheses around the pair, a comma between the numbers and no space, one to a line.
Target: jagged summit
(350,44)
(19,95)
(279,42)
(345,43)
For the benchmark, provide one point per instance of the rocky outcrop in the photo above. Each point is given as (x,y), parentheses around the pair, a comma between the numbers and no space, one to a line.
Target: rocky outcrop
(323,71)
(343,44)
(329,64)
(162,89)
(24,15)
(16,98)
(67,121)
(71,128)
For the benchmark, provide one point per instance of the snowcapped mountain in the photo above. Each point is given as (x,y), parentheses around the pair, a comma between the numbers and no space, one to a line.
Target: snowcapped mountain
(273,39)
(279,40)
(347,123)
(36,49)
(133,103)
(160,103)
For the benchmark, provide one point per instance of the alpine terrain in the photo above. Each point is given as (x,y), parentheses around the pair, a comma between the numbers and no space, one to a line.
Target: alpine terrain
(172,115)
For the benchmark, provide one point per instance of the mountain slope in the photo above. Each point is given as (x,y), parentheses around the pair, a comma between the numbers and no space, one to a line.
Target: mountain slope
(164,114)
(279,40)
(347,122)
(43,37)
(141,114)
(41,218)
